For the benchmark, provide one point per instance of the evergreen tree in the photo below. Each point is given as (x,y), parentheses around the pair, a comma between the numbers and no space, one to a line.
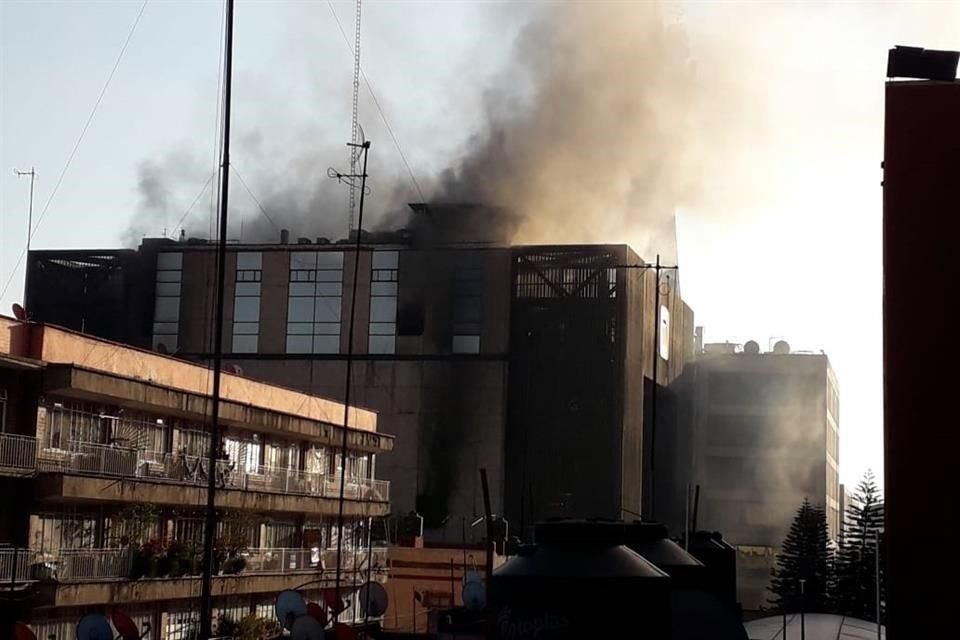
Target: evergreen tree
(855,566)
(804,555)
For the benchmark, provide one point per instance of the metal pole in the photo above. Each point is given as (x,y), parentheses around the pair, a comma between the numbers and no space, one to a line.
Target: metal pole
(877,586)
(346,392)
(653,399)
(206,595)
(488,569)
(784,622)
(366,610)
(33,176)
(803,607)
(686,521)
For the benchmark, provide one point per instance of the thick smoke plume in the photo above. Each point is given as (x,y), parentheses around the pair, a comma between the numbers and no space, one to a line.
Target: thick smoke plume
(600,128)
(597,129)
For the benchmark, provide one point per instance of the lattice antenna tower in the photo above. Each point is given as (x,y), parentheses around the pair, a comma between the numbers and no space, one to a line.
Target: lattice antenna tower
(356,132)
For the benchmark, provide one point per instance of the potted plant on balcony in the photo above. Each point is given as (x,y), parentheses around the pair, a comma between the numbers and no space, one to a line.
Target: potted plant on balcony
(146,559)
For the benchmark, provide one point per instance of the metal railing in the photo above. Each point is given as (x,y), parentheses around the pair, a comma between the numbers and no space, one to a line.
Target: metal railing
(90,565)
(18,453)
(89,458)
(182,468)
(22,559)
(78,565)
(281,560)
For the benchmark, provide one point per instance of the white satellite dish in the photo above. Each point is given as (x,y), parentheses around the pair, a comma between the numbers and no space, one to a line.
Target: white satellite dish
(474,596)
(472,576)
(373,600)
(306,627)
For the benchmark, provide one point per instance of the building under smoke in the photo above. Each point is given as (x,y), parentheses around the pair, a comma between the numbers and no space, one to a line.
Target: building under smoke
(533,362)
(759,433)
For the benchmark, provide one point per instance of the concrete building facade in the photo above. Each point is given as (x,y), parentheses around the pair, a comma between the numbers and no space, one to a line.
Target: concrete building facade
(104,469)
(921,162)
(759,434)
(532,362)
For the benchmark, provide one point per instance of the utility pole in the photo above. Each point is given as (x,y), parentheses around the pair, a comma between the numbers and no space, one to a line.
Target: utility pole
(210,521)
(351,180)
(33,176)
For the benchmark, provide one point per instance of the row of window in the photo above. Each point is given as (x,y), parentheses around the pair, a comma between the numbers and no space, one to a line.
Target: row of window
(315,303)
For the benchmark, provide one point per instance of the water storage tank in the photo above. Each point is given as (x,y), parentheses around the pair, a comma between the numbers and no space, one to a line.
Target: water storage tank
(781,347)
(697,612)
(579,581)
(751,348)
(650,540)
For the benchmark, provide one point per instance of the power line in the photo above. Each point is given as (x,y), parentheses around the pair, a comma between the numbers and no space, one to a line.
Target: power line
(73,153)
(203,190)
(376,102)
(250,193)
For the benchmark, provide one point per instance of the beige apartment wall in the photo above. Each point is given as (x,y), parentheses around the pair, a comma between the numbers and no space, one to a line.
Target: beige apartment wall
(61,346)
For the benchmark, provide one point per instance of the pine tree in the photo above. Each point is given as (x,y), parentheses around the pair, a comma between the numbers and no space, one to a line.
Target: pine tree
(804,555)
(855,567)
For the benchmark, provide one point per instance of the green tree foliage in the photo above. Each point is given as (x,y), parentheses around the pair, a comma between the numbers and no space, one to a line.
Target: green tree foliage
(855,566)
(804,555)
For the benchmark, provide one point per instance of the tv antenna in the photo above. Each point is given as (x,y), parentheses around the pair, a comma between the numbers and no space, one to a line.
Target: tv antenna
(356,134)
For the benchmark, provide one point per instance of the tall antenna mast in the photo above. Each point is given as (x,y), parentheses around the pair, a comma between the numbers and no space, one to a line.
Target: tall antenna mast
(355,135)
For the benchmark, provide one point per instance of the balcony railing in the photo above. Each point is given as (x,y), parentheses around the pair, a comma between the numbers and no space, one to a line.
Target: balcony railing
(15,565)
(92,565)
(17,453)
(82,565)
(181,468)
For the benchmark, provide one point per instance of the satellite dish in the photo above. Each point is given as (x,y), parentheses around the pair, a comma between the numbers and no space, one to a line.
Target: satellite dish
(474,596)
(373,600)
(343,631)
(94,626)
(290,606)
(23,632)
(306,627)
(318,612)
(472,576)
(126,627)
(19,312)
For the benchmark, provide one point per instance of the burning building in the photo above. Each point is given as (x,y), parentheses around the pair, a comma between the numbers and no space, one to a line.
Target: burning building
(534,362)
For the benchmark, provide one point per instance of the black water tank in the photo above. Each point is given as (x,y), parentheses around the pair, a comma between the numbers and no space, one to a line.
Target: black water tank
(579,581)
(650,540)
(697,610)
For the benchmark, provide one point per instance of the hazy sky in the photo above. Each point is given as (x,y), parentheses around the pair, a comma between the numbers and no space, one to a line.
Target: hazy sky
(784,243)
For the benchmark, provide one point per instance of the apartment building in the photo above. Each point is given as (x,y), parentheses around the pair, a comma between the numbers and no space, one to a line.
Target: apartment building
(760,433)
(104,468)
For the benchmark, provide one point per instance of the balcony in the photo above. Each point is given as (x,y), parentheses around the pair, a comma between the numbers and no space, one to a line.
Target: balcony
(16,565)
(84,577)
(18,455)
(111,461)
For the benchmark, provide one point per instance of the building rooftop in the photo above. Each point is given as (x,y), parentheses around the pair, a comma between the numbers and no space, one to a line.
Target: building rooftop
(87,359)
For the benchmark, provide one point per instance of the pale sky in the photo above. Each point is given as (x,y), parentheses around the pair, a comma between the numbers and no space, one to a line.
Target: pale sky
(796,254)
